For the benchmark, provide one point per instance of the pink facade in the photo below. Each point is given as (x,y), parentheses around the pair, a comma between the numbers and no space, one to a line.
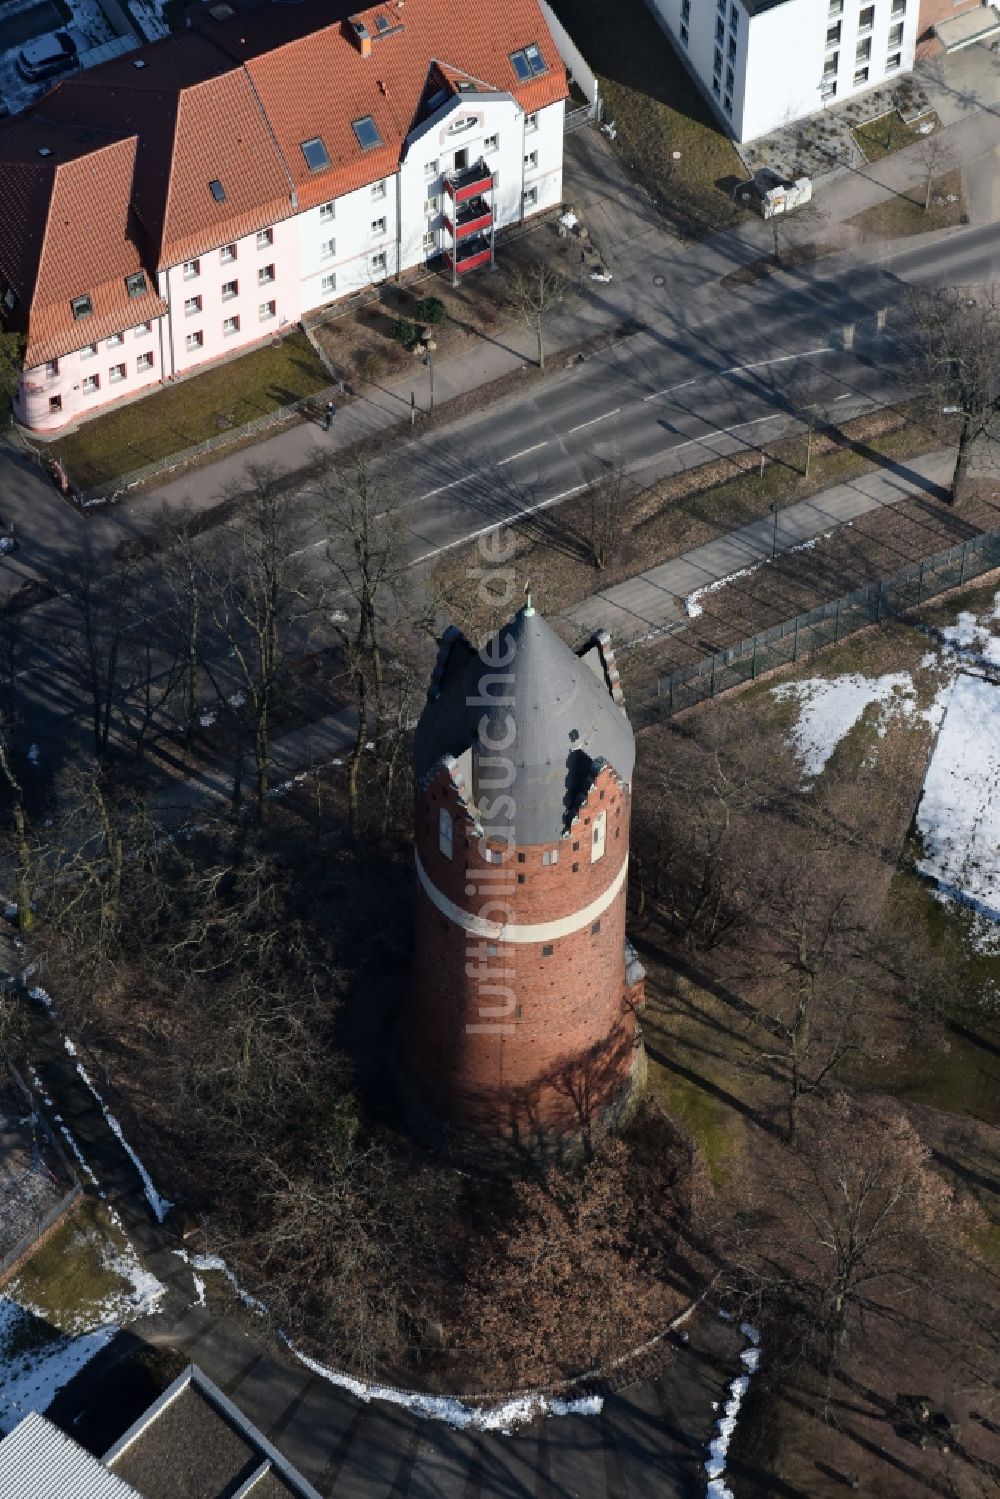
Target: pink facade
(74,386)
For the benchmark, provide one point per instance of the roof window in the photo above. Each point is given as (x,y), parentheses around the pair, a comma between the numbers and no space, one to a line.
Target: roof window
(81,307)
(316,155)
(367,133)
(45,150)
(528,63)
(217,190)
(381,23)
(135,284)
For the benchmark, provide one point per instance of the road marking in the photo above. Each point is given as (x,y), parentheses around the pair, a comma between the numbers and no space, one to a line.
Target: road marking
(593,421)
(442,487)
(522,454)
(737,369)
(506,520)
(696,442)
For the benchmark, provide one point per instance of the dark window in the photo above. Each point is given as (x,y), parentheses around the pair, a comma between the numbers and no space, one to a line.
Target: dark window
(520,879)
(135,284)
(367,133)
(576,868)
(315,154)
(81,306)
(217,190)
(521,66)
(520,858)
(595,927)
(576,848)
(547,950)
(536,61)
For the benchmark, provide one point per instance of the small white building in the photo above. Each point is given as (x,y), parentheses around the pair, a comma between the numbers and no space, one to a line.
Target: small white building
(763,64)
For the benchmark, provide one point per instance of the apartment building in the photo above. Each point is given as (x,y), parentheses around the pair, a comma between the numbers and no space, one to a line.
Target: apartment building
(197,196)
(764,63)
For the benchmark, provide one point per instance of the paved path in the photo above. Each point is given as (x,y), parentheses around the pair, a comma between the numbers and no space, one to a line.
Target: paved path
(654,600)
(649,1439)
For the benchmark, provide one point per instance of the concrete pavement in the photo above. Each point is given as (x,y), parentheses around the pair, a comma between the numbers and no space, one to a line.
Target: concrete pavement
(654,600)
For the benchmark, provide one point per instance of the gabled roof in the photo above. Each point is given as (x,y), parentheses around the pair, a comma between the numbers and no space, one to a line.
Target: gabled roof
(67,229)
(230,100)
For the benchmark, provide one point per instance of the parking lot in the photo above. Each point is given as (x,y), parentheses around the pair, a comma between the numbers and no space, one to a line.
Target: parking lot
(23,21)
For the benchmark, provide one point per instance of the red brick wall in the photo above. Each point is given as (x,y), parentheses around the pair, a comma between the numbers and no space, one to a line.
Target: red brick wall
(931,12)
(556,1044)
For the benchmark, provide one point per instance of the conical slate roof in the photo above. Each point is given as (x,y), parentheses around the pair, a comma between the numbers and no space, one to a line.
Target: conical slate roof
(537,720)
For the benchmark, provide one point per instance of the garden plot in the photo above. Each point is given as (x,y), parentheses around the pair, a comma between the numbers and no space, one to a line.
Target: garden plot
(67,1302)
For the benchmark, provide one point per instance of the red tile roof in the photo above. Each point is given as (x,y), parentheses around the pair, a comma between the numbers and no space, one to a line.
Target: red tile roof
(138,140)
(66,230)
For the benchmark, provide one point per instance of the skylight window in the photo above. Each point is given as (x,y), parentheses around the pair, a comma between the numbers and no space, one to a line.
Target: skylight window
(367,133)
(135,284)
(81,307)
(528,63)
(217,190)
(315,153)
(381,23)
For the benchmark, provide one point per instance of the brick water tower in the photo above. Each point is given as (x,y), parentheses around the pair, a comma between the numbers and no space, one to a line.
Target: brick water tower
(520,1021)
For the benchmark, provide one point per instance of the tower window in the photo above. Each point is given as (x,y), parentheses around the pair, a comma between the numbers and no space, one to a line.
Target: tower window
(520,879)
(445,832)
(550,856)
(520,858)
(547,950)
(595,927)
(598,836)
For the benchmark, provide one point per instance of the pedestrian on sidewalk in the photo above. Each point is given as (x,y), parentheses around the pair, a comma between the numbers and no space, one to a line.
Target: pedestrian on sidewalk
(331,412)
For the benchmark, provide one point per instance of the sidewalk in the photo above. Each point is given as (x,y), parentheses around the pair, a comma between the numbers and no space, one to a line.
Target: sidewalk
(654,600)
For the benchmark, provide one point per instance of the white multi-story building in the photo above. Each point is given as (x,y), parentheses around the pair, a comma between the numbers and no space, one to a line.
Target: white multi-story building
(196,196)
(765,63)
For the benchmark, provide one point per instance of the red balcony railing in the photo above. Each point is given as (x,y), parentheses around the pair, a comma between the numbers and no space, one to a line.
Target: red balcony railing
(470,183)
(470,253)
(472,217)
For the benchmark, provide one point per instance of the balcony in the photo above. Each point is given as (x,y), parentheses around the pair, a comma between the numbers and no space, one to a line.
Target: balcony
(472,217)
(469,253)
(470,183)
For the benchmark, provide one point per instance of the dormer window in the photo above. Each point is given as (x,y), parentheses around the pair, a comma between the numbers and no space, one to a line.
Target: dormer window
(316,155)
(135,284)
(81,307)
(217,190)
(367,133)
(528,63)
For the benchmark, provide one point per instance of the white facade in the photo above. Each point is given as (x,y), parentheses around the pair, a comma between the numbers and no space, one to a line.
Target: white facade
(764,67)
(236,294)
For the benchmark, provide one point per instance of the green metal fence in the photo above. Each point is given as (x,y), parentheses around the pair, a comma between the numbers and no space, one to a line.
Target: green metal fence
(795,638)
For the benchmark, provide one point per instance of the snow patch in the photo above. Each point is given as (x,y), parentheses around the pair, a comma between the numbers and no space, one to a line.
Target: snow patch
(829,707)
(160,1205)
(692,604)
(718,1447)
(959,813)
(216,1262)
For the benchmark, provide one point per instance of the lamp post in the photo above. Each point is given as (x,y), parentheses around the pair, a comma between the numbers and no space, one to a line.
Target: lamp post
(429,347)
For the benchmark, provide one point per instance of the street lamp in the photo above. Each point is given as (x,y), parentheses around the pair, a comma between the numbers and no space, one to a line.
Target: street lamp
(429,347)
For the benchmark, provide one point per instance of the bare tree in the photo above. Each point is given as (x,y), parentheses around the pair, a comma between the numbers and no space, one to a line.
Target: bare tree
(935,156)
(607,501)
(955,362)
(264,602)
(537,291)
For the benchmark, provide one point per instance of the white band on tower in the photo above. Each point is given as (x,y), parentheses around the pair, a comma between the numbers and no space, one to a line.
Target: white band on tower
(537,931)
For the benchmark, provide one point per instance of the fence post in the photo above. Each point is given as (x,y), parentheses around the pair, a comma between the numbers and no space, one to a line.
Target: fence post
(961,571)
(878,603)
(670,699)
(711,690)
(795,642)
(753,661)
(920,581)
(836,623)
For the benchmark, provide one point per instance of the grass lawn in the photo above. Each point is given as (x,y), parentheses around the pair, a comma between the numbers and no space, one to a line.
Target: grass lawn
(877,138)
(657,110)
(904,213)
(180,415)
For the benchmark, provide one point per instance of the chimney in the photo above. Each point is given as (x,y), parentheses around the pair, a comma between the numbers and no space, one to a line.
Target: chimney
(362,36)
